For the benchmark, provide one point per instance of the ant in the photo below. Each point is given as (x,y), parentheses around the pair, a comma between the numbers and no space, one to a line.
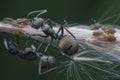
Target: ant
(47,28)
(30,54)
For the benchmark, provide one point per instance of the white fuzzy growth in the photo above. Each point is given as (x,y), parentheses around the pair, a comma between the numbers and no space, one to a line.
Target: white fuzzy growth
(93,53)
(82,33)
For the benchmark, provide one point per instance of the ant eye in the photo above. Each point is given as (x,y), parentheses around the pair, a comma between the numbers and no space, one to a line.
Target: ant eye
(35,26)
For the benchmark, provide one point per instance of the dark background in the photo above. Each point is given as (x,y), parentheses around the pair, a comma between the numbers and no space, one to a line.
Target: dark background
(82,11)
(74,11)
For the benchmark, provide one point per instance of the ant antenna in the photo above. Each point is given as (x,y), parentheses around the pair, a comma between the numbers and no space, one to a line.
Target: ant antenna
(9,19)
(40,12)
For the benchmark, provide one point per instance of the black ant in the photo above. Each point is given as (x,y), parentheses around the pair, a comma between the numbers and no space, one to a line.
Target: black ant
(30,54)
(47,28)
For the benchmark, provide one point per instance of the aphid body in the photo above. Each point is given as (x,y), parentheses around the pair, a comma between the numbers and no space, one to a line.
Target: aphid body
(18,23)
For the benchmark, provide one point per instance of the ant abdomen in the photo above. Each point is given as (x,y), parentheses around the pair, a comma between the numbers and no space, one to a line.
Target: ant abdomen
(68,45)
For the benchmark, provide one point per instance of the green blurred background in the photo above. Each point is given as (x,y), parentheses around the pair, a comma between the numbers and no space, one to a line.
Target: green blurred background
(74,11)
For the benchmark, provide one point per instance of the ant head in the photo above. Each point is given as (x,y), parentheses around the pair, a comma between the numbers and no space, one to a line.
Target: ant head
(37,22)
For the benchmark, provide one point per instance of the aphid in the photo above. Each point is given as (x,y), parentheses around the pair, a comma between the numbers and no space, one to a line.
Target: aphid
(110,38)
(18,23)
(68,45)
(95,26)
(103,32)
(108,29)
(98,33)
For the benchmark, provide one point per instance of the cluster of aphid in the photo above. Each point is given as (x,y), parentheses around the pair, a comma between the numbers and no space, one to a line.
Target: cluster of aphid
(67,44)
(103,32)
(18,23)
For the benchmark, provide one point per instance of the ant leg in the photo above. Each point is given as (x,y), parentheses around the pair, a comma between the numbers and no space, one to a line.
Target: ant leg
(26,44)
(61,52)
(66,25)
(62,32)
(50,70)
(38,60)
(50,23)
(70,33)
(48,46)
(40,35)
(39,46)
(39,65)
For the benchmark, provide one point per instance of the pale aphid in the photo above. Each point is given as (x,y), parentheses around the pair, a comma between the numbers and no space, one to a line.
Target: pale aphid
(18,23)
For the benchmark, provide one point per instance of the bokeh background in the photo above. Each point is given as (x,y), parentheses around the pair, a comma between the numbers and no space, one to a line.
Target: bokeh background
(74,11)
